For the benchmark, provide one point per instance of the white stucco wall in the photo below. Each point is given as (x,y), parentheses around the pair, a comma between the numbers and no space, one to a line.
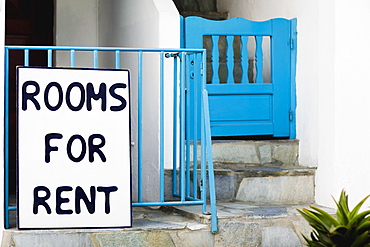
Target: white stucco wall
(332,88)
(307,60)
(76,25)
(76,22)
(146,24)
(332,62)
(344,119)
(326,97)
(352,118)
(140,23)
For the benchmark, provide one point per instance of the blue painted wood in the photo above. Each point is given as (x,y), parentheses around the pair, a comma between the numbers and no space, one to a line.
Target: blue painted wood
(237,109)
(259,59)
(244,58)
(215,60)
(242,89)
(254,122)
(280,76)
(293,61)
(230,59)
(243,108)
(182,32)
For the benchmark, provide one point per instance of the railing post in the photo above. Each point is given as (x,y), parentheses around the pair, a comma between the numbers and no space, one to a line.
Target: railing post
(182,126)
(195,87)
(118,59)
(161,128)
(96,59)
(50,58)
(6,139)
(175,159)
(26,57)
(212,192)
(140,126)
(72,54)
(189,70)
(207,143)
(203,172)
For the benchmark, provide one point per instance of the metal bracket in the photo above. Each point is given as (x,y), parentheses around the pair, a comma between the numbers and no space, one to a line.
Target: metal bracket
(291,115)
(169,55)
(292,47)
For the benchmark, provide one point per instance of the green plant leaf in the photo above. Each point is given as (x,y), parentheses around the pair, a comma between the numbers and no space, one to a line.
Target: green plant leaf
(361,240)
(358,218)
(308,241)
(364,220)
(317,244)
(342,208)
(326,239)
(363,227)
(329,220)
(338,237)
(312,219)
(328,223)
(341,229)
(362,215)
(314,242)
(357,207)
(348,229)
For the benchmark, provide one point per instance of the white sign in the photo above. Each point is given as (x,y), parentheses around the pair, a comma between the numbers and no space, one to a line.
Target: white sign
(73,148)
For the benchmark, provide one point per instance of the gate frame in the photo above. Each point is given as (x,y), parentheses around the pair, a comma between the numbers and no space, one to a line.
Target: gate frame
(283,87)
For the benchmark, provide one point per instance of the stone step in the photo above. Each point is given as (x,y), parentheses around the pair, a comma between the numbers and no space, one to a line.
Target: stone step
(256,152)
(240,224)
(259,184)
(266,184)
(261,171)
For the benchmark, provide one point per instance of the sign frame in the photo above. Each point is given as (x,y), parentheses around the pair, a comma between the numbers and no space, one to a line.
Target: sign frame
(93,194)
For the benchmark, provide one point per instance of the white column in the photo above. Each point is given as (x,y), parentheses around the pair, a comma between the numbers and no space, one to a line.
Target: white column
(76,24)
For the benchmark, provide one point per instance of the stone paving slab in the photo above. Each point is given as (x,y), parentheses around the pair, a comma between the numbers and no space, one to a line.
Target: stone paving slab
(151,227)
(240,224)
(279,236)
(238,209)
(246,224)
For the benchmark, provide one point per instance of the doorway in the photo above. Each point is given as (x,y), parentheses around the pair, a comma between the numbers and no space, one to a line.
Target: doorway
(27,22)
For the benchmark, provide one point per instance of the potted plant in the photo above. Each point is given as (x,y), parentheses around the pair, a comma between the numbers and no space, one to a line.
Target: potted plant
(347,229)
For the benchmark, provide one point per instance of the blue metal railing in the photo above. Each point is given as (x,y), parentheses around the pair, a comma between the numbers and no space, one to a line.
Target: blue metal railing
(185,187)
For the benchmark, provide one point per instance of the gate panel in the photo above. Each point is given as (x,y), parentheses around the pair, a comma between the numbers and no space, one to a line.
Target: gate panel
(250,74)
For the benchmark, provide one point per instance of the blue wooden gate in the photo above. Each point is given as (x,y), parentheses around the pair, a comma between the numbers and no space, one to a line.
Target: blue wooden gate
(250,74)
